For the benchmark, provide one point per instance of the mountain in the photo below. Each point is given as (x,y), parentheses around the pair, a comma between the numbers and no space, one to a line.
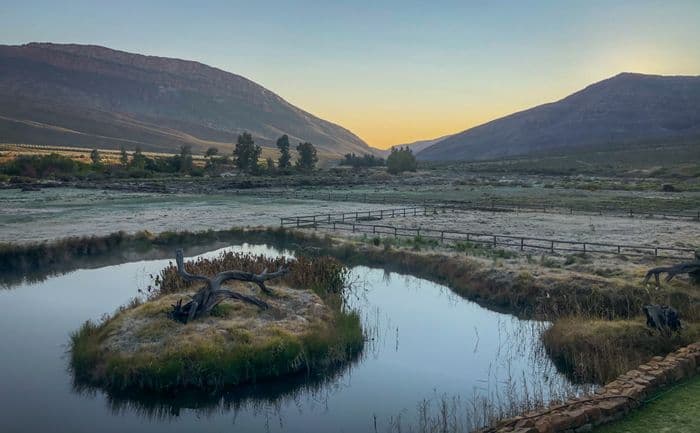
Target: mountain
(622,110)
(419,145)
(91,96)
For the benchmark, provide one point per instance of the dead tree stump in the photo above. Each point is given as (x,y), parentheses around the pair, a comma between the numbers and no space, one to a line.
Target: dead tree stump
(212,294)
(690,268)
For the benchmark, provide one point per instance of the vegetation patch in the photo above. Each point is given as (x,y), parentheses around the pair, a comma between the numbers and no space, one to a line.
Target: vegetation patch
(600,350)
(306,328)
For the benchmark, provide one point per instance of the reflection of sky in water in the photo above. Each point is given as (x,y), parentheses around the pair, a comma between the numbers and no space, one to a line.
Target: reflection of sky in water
(425,342)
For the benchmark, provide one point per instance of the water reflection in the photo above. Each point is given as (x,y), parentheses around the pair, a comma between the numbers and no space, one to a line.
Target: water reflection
(429,353)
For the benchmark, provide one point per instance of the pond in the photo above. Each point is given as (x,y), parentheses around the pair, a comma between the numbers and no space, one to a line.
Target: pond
(428,352)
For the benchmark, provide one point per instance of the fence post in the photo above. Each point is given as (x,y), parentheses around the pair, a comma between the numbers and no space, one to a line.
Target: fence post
(374,229)
(404,211)
(584,247)
(381,214)
(353,227)
(442,236)
(522,244)
(414,211)
(552,247)
(618,249)
(656,252)
(494,241)
(395,235)
(333,225)
(329,217)
(297,221)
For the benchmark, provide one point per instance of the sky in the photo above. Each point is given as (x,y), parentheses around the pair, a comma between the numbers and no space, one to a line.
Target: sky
(390,71)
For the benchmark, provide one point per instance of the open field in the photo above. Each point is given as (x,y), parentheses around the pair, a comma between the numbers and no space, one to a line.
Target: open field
(58,212)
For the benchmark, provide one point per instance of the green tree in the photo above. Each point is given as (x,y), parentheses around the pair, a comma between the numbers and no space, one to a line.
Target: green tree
(212,151)
(270,165)
(246,153)
(400,160)
(284,162)
(123,157)
(138,160)
(95,157)
(307,157)
(185,158)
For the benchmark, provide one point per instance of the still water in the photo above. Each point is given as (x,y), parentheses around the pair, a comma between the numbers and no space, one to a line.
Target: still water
(425,345)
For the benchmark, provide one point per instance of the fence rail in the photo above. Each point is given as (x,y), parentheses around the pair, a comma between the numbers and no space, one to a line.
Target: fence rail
(355,222)
(484,205)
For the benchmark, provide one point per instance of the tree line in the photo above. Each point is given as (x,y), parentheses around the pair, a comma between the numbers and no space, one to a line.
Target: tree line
(246,157)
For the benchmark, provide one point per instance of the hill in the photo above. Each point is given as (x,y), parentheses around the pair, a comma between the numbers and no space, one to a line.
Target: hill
(417,146)
(622,110)
(91,96)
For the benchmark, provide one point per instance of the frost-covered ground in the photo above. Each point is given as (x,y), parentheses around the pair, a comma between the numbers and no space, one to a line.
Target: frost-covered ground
(60,212)
(580,228)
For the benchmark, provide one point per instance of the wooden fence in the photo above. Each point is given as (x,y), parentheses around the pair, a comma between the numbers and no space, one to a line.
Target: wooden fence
(360,222)
(483,205)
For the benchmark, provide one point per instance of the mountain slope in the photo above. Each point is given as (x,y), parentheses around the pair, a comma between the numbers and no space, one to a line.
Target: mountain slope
(417,146)
(624,109)
(92,96)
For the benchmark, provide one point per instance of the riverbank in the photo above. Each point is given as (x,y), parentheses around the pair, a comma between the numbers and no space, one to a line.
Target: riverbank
(563,290)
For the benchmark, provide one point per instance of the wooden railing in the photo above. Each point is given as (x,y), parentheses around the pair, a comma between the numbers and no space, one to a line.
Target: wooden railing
(483,205)
(356,222)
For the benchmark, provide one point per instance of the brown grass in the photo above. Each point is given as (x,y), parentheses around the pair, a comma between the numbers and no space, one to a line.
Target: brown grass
(600,350)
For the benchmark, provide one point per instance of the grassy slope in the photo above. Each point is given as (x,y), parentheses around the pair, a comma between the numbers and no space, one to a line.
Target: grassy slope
(675,411)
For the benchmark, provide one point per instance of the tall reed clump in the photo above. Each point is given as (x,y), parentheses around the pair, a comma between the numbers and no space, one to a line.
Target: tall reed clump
(597,351)
(325,276)
(27,257)
(216,352)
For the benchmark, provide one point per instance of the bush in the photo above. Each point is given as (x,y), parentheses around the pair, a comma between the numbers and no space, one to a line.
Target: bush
(53,165)
(400,160)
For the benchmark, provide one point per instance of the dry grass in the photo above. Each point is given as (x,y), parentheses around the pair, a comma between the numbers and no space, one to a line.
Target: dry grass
(9,152)
(600,350)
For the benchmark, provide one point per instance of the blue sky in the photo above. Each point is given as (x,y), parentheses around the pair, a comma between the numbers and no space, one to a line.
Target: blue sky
(390,71)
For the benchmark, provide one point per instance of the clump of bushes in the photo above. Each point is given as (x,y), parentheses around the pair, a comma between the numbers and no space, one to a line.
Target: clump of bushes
(44,166)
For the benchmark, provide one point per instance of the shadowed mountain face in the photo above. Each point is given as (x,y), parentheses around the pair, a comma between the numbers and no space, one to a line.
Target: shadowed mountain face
(625,109)
(90,96)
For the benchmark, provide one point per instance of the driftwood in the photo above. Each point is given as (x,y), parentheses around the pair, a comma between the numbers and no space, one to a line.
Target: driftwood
(691,268)
(662,318)
(212,294)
